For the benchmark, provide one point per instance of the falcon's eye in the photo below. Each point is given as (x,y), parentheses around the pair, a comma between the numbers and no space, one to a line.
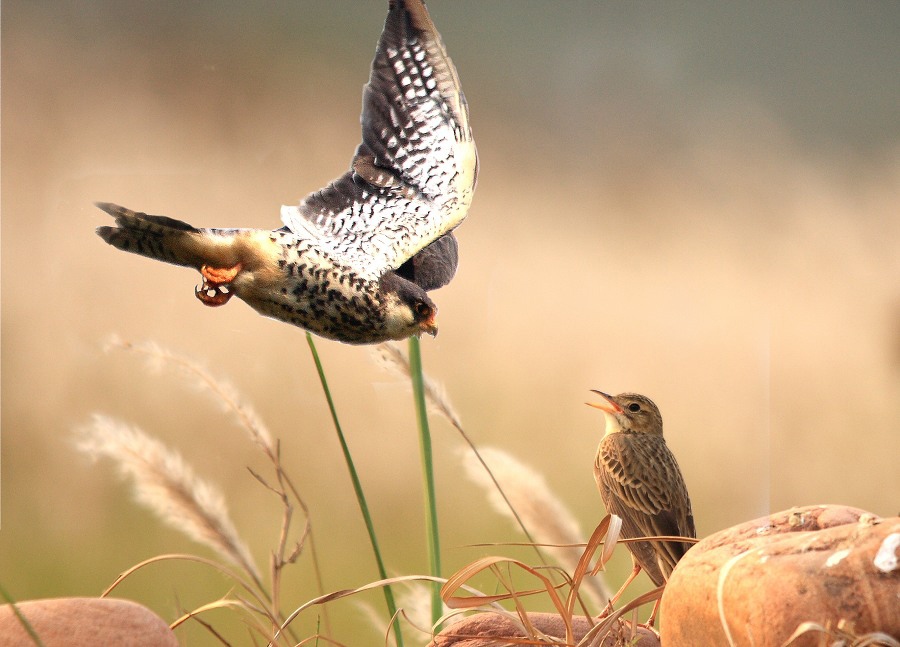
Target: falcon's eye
(634,407)
(423,310)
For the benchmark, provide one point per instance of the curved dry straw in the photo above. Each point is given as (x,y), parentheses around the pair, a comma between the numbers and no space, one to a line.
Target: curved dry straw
(604,539)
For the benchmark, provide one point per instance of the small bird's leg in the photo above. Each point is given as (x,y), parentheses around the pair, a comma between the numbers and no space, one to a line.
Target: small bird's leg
(215,289)
(636,568)
(649,624)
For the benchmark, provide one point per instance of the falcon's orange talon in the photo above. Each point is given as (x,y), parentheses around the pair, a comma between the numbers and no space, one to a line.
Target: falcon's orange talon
(219,275)
(216,289)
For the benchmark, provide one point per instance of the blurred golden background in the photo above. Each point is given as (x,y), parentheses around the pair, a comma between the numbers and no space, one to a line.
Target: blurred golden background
(695,201)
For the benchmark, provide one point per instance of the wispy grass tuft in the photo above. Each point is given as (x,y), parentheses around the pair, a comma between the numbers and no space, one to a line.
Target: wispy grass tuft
(222,392)
(390,356)
(551,523)
(195,375)
(166,484)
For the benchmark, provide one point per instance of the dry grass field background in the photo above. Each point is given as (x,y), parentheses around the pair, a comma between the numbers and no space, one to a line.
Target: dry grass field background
(694,202)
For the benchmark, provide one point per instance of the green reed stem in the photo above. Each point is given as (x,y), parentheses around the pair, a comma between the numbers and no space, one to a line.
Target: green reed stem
(357,487)
(431,521)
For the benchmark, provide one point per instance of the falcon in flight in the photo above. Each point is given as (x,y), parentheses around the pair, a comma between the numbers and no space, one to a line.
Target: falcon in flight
(355,260)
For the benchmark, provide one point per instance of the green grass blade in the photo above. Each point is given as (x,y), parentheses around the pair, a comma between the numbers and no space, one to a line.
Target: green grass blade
(357,488)
(431,520)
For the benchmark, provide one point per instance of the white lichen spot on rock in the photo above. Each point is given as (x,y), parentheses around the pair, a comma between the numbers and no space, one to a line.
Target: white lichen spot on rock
(886,557)
(837,557)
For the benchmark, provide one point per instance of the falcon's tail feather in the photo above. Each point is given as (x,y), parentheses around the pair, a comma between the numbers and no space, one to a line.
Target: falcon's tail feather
(159,237)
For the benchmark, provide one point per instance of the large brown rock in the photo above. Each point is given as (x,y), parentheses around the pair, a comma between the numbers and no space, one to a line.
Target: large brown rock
(83,622)
(492,630)
(756,583)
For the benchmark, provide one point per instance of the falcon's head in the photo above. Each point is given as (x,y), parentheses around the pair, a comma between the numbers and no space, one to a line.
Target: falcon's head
(407,308)
(629,413)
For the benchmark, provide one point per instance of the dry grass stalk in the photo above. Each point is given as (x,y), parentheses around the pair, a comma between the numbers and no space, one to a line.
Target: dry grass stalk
(166,484)
(227,397)
(223,392)
(550,521)
(392,357)
(414,606)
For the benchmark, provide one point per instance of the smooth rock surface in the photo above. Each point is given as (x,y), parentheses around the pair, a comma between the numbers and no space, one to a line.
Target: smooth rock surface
(757,582)
(83,622)
(492,630)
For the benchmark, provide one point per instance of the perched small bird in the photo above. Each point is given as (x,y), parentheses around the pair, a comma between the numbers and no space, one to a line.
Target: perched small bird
(639,481)
(355,260)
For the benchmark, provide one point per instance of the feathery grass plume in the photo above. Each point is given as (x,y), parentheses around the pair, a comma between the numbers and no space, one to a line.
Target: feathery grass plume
(222,391)
(543,513)
(392,357)
(166,484)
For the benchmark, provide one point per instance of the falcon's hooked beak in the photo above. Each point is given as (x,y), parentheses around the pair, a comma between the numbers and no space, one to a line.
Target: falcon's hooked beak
(429,326)
(607,406)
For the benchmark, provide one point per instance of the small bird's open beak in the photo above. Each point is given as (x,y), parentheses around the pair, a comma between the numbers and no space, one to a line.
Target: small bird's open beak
(607,406)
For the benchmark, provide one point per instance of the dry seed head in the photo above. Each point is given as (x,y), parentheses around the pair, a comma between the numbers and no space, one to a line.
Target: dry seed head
(391,357)
(166,484)
(198,376)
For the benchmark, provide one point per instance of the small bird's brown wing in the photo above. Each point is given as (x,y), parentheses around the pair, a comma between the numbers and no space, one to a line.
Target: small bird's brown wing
(640,481)
(413,177)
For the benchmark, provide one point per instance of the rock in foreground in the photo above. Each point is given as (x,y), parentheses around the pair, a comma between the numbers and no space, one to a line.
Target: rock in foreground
(83,622)
(492,630)
(756,583)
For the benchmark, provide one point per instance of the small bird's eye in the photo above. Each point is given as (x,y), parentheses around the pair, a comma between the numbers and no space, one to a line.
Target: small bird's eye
(423,310)
(634,406)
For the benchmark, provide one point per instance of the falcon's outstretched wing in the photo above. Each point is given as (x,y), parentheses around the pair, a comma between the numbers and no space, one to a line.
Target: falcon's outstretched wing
(414,173)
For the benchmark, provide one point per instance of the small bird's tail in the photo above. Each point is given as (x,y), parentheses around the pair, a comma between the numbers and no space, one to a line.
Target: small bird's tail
(159,237)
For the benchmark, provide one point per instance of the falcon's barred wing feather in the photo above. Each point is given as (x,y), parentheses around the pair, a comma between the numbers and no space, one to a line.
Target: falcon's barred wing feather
(413,175)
